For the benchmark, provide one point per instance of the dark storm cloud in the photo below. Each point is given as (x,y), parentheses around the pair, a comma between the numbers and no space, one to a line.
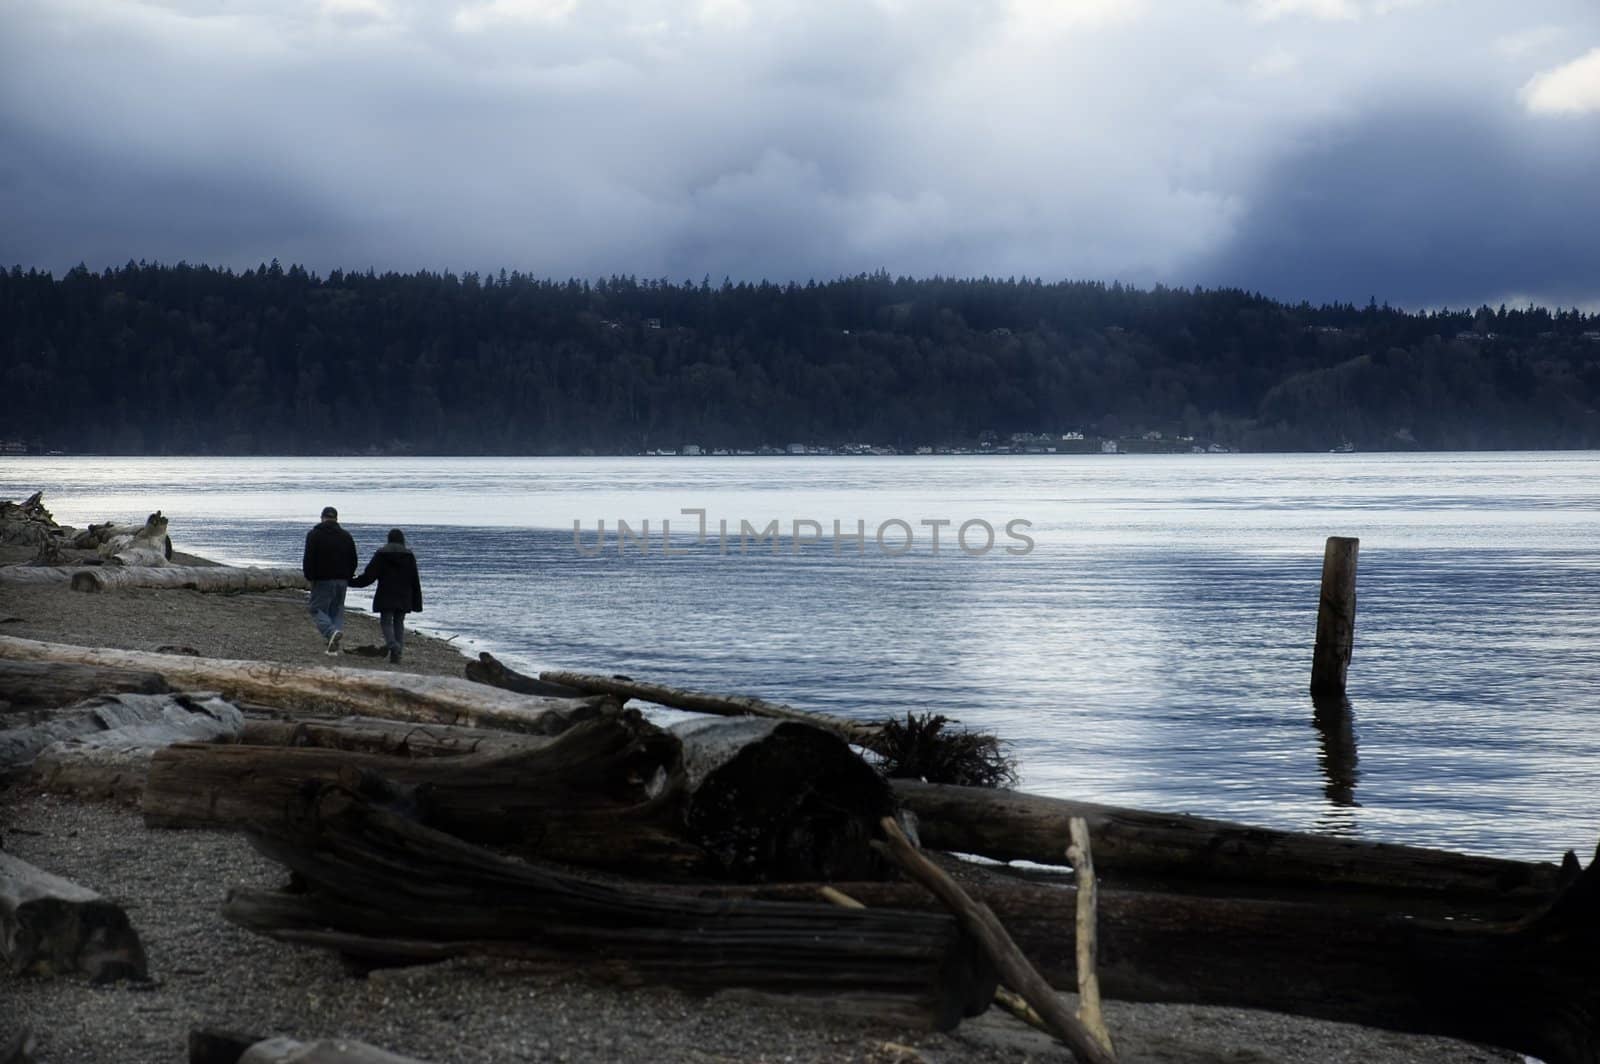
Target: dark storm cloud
(69,203)
(1426,206)
(1226,141)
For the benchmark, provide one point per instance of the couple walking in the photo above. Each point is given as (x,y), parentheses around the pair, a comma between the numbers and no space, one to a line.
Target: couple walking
(330,564)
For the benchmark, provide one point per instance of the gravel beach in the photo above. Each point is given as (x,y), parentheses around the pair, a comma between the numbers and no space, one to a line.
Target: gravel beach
(207,972)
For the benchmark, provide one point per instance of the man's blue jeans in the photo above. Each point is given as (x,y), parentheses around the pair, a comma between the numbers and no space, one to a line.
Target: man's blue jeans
(327,605)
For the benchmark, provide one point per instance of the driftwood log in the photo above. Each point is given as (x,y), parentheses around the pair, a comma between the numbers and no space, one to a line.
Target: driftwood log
(26,685)
(854,731)
(1013,967)
(490,670)
(742,800)
(1530,985)
(115,763)
(28,523)
(1134,848)
(187,577)
(327,689)
(110,716)
(374,735)
(385,890)
(144,545)
(52,926)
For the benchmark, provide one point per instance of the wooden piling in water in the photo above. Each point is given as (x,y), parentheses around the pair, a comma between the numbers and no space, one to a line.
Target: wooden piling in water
(1336,616)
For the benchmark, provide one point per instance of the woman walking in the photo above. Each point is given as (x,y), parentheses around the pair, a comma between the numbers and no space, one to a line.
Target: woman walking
(399,592)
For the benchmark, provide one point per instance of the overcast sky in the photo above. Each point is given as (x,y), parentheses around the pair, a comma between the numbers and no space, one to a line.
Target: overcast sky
(1424,152)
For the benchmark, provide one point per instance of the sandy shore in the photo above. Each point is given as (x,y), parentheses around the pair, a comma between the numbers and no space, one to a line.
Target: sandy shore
(208,972)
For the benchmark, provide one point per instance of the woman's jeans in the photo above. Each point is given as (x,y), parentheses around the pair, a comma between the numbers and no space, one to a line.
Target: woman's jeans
(393,623)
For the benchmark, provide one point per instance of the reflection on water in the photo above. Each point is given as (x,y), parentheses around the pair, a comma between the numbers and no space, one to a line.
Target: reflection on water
(1334,719)
(1153,650)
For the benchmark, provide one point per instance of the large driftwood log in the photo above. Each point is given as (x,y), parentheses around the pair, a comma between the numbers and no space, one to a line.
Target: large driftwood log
(28,522)
(490,670)
(386,890)
(188,577)
(40,685)
(1138,848)
(143,545)
(52,926)
(325,689)
(854,731)
(31,575)
(745,800)
(374,735)
(102,716)
(115,763)
(1531,985)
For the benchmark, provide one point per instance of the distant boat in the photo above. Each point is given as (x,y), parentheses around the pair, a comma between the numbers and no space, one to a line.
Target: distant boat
(1344,448)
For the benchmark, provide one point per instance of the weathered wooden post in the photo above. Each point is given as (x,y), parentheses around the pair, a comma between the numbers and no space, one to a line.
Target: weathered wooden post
(1336,616)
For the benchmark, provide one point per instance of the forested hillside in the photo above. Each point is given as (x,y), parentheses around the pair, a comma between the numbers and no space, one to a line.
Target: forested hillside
(184,359)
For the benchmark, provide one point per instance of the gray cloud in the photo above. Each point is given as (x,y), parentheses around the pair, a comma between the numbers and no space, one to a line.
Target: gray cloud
(1426,206)
(1241,141)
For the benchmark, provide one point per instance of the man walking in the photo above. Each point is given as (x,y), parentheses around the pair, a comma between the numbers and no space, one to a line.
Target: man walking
(329,563)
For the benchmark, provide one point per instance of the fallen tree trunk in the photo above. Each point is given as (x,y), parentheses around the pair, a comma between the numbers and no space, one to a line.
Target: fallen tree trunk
(489,670)
(52,926)
(1532,985)
(1134,848)
(325,689)
(188,577)
(385,890)
(115,763)
(854,731)
(30,575)
(374,735)
(41,685)
(29,523)
(746,800)
(146,544)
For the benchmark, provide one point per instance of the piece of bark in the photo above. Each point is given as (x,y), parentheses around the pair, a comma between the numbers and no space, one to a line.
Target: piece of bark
(1135,848)
(490,670)
(321,689)
(854,731)
(115,763)
(388,890)
(38,684)
(52,926)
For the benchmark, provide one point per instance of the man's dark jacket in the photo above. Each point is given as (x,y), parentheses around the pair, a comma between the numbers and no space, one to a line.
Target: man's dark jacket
(330,553)
(394,567)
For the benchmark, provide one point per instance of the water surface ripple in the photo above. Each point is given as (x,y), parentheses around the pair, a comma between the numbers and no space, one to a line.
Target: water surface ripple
(1152,650)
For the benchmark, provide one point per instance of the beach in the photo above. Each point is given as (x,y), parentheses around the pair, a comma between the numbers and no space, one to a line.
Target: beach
(207,972)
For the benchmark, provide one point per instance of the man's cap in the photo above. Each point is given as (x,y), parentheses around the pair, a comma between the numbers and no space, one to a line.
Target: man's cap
(328,511)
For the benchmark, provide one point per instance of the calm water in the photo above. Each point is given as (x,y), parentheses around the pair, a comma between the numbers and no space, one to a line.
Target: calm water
(1152,649)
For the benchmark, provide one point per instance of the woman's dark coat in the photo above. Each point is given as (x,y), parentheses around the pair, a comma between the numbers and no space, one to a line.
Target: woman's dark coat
(394,567)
